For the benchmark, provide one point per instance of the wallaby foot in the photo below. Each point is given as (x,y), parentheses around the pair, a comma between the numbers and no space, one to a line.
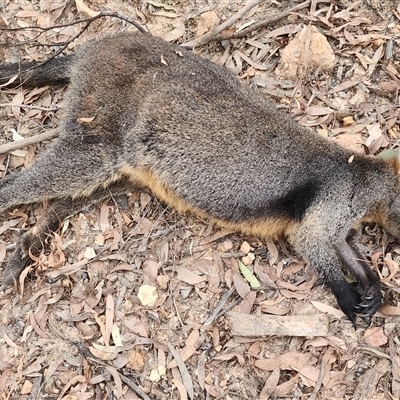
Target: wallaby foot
(328,260)
(368,284)
(347,298)
(32,242)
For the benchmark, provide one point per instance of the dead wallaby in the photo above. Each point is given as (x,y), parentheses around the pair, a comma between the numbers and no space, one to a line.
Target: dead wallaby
(143,113)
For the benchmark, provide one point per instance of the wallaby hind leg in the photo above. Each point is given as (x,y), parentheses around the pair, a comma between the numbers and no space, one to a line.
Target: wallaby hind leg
(68,168)
(34,240)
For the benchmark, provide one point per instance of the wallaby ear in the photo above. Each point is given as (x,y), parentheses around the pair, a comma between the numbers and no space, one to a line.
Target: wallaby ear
(392,155)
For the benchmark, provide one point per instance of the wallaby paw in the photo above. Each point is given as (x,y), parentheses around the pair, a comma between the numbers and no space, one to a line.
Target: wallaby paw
(371,300)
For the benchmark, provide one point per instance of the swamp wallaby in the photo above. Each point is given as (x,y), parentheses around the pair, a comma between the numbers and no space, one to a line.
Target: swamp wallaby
(143,113)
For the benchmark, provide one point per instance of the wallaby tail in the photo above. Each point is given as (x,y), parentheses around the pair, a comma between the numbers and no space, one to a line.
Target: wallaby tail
(55,72)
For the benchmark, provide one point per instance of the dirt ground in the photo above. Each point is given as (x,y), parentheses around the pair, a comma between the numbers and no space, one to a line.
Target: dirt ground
(79,325)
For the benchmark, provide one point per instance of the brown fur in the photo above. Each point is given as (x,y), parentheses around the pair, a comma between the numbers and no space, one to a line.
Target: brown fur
(140,112)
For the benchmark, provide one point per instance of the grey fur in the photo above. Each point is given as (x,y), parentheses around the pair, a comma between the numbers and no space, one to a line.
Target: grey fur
(211,142)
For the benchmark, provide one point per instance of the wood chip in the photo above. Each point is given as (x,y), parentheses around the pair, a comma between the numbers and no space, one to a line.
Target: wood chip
(264,325)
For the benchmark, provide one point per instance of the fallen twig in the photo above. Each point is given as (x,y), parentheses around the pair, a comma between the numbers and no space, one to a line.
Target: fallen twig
(213,34)
(220,305)
(132,385)
(87,21)
(29,107)
(230,21)
(7,147)
(81,21)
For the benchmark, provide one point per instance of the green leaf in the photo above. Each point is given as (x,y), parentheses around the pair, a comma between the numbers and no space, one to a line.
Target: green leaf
(249,276)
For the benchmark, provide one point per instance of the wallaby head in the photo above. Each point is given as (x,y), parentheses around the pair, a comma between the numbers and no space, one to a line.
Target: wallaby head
(141,112)
(387,210)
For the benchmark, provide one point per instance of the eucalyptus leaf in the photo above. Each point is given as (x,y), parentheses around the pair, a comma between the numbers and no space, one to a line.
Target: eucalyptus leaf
(249,276)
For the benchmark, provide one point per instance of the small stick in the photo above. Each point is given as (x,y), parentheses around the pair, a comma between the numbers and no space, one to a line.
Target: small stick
(230,21)
(132,385)
(6,148)
(89,20)
(29,107)
(213,34)
(318,384)
(220,305)
(264,22)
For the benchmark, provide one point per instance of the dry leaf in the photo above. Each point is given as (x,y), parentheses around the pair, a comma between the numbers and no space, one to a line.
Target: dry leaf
(82,7)
(308,49)
(283,30)
(109,319)
(287,361)
(229,356)
(136,361)
(181,389)
(375,336)
(327,309)
(241,286)
(84,120)
(18,99)
(310,374)
(176,33)
(102,352)
(273,250)
(190,277)
(351,141)
(186,379)
(26,387)
(206,21)
(191,344)
(392,311)
(270,384)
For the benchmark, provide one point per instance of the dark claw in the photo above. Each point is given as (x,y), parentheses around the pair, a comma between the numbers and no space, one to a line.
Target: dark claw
(370,302)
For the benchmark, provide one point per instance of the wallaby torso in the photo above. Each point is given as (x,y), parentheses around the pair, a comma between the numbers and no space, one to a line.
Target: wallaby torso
(141,112)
